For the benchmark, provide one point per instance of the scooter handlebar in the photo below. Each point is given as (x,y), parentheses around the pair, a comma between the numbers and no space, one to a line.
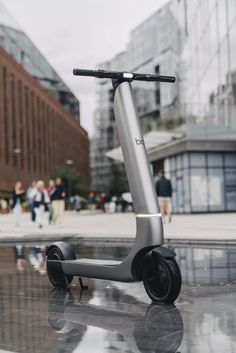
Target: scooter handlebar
(116,75)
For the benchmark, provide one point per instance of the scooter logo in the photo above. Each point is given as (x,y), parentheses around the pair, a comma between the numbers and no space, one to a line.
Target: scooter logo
(139,142)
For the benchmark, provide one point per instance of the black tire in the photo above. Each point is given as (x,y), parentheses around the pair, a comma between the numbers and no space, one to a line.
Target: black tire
(162,279)
(161,321)
(57,300)
(59,251)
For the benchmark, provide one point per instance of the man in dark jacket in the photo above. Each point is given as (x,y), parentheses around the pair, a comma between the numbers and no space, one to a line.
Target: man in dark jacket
(58,202)
(164,193)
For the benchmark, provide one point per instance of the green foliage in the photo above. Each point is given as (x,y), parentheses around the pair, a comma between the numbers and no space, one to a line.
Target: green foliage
(70,177)
(146,127)
(118,180)
(170,123)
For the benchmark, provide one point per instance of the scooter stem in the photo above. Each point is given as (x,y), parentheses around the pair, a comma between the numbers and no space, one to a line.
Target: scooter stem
(134,152)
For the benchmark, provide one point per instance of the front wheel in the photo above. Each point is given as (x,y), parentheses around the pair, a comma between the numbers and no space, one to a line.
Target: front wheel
(161,278)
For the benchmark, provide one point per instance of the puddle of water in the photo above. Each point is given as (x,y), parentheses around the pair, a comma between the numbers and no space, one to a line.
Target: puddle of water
(110,316)
(198,265)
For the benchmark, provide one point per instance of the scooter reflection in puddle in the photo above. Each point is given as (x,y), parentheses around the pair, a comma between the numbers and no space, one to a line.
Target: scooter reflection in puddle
(159,330)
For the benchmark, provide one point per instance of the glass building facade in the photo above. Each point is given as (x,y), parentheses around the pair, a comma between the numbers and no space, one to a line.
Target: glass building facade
(206,181)
(209,66)
(203,181)
(106,133)
(16,43)
(153,47)
(199,46)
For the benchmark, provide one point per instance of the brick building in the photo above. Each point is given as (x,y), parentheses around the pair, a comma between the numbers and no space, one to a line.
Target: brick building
(35,124)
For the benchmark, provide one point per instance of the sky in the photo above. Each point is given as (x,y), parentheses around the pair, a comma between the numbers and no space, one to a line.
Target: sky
(80,33)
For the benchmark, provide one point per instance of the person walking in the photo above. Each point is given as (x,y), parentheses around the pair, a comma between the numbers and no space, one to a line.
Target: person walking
(30,197)
(77,203)
(51,188)
(41,199)
(92,202)
(58,202)
(164,194)
(107,201)
(17,201)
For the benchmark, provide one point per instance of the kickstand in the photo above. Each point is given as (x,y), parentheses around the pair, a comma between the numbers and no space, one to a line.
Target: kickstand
(82,286)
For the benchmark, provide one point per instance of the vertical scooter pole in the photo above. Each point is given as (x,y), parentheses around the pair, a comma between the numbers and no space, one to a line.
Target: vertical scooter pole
(134,152)
(149,226)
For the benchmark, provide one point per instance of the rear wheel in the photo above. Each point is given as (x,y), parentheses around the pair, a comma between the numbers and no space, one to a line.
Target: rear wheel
(60,252)
(161,278)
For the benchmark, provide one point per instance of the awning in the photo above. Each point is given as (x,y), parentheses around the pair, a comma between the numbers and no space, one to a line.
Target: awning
(152,140)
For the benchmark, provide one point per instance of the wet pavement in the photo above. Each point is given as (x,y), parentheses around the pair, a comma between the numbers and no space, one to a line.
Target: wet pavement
(117,317)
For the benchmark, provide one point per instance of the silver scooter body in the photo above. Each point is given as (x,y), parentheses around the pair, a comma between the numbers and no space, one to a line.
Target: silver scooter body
(149,226)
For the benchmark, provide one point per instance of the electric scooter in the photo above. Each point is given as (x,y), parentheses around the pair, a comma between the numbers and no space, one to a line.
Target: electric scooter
(148,260)
(157,328)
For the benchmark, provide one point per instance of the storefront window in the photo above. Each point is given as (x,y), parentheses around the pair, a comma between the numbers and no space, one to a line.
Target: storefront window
(215,160)
(197,160)
(186,191)
(230,188)
(230,160)
(199,192)
(215,182)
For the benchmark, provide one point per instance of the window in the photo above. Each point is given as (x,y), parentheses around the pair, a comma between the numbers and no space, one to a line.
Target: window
(14,127)
(21,125)
(197,160)
(5,116)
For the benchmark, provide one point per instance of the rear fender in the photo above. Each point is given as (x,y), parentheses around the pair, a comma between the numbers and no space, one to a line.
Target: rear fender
(66,249)
(147,254)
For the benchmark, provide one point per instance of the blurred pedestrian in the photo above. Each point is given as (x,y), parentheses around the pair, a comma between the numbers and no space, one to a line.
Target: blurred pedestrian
(112,204)
(30,197)
(51,188)
(19,253)
(17,201)
(58,201)
(41,199)
(77,202)
(164,193)
(107,201)
(102,201)
(3,206)
(37,259)
(92,202)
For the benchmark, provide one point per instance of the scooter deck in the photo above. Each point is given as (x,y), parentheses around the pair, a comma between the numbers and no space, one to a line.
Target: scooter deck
(97,268)
(95,262)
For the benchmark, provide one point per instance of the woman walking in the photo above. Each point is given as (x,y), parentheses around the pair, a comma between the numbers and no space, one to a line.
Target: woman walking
(58,201)
(41,199)
(17,201)
(30,196)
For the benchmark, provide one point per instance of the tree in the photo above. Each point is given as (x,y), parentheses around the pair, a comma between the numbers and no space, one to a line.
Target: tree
(71,178)
(118,180)
(169,124)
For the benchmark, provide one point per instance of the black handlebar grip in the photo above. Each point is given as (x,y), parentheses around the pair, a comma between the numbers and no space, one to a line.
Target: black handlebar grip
(166,78)
(81,72)
(153,78)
